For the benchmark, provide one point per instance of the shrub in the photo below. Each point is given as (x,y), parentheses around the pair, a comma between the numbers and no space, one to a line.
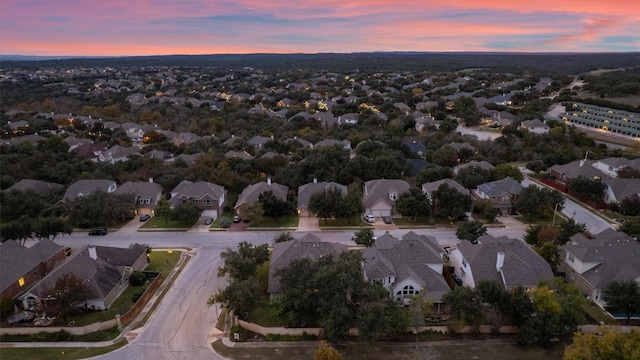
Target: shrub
(138,278)
(137,294)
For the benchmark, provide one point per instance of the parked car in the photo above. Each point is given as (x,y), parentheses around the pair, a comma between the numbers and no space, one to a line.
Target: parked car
(236,219)
(369,218)
(387,220)
(208,221)
(98,232)
(145,217)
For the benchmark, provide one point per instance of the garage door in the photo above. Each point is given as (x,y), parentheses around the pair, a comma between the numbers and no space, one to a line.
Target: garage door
(210,213)
(379,213)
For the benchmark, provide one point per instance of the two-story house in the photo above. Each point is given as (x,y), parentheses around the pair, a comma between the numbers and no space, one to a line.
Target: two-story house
(502,194)
(209,197)
(380,196)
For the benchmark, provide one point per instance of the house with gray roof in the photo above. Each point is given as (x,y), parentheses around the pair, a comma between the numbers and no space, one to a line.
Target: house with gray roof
(209,197)
(85,187)
(305,191)
(188,159)
(380,195)
(502,194)
(186,138)
(457,147)
(405,267)
(38,186)
(103,270)
(90,150)
(592,264)
(430,187)
(612,165)
(415,146)
(308,247)
(259,141)
(21,267)
(118,153)
(146,193)
(251,193)
(574,169)
(479,164)
(345,144)
(509,262)
(535,126)
(238,155)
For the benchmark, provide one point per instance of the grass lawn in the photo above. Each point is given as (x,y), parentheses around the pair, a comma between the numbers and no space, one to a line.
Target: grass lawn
(56,353)
(354,221)
(160,261)
(597,314)
(478,350)
(262,315)
(283,221)
(419,221)
(160,223)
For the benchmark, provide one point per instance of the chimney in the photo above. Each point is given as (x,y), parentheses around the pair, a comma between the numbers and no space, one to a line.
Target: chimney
(151,179)
(581,163)
(93,253)
(315,180)
(269,181)
(499,261)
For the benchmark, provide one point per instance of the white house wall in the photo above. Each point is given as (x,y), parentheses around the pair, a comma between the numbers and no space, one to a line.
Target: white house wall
(455,259)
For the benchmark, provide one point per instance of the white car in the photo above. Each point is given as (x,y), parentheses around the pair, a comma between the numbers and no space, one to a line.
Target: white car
(369,218)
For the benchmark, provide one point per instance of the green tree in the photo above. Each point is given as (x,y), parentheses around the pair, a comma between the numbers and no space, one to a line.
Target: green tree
(449,202)
(364,237)
(351,203)
(432,173)
(16,230)
(377,315)
(282,237)
(163,209)
(326,203)
(273,206)
(241,264)
(630,205)
(623,297)
(631,227)
(50,227)
(241,296)
(568,228)
(535,202)
(100,208)
(590,188)
(66,295)
(470,231)
(501,171)
(550,252)
(187,212)
(413,203)
(607,344)
(464,304)
(473,176)
(324,351)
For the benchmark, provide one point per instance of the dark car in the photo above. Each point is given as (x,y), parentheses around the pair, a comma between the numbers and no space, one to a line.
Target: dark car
(208,221)
(145,217)
(98,232)
(387,220)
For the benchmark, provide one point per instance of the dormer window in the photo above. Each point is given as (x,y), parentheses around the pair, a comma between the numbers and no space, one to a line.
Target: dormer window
(393,196)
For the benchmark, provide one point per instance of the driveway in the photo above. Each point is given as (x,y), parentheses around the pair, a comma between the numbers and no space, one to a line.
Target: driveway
(132,226)
(308,224)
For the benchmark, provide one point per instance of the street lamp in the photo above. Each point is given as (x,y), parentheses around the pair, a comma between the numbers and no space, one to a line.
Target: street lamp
(555,210)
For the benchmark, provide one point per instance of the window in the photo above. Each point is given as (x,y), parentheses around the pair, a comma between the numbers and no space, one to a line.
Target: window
(21,282)
(393,196)
(462,273)
(571,257)
(464,262)
(193,199)
(207,202)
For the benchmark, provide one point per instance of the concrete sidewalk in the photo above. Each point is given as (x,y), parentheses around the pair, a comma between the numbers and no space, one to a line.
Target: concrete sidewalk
(130,332)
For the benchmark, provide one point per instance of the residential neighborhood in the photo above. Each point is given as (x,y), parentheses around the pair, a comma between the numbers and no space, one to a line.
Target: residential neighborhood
(358,193)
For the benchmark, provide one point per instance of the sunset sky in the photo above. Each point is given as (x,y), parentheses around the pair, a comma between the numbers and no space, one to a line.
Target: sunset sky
(161,27)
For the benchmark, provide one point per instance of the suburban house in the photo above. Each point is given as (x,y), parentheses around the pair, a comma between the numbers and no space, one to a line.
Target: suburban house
(37,186)
(565,172)
(534,126)
(147,194)
(118,153)
(348,119)
(89,150)
(415,146)
(103,270)
(87,186)
(21,267)
(345,144)
(251,193)
(509,262)
(380,196)
(430,187)
(479,164)
(502,194)
(305,191)
(307,247)
(406,267)
(611,166)
(592,264)
(259,141)
(209,197)
(238,155)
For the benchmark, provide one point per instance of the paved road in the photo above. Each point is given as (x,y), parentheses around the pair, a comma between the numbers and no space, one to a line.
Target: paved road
(593,222)
(181,326)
